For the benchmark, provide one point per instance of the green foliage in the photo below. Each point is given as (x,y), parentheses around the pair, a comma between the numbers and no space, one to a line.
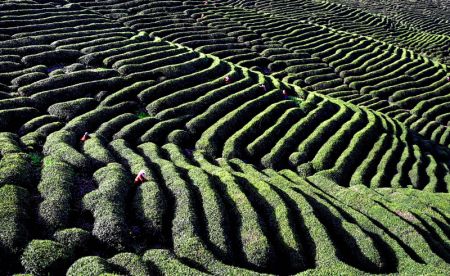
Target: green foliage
(168,264)
(109,128)
(36,158)
(107,205)
(70,109)
(14,219)
(95,148)
(322,186)
(131,264)
(142,115)
(16,169)
(44,256)
(12,119)
(9,143)
(91,266)
(74,239)
(57,179)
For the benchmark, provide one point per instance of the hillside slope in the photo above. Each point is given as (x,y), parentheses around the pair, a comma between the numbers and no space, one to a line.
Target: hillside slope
(272,143)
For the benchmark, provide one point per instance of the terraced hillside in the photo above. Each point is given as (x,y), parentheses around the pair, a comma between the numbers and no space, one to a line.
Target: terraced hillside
(274,141)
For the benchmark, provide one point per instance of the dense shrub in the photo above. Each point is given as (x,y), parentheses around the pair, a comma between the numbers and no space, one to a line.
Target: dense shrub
(277,157)
(109,128)
(154,64)
(66,80)
(15,102)
(44,256)
(107,57)
(187,94)
(171,71)
(163,261)
(131,264)
(207,69)
(67,153)
(327,155)
(355,153)
(225,104)
(235,146)
(159,132)
(126,93)
(96,149)
(58,56)
(12,119)
(7,66)
(16,169)
(14,216)
(46,98)
(93,119)
(55,186)
(150,206)
(271,136)
(275,215)
(28,78)
(107,205)
(212,139)
(184,230)
(127,155)
(180,137)
(77,240)
(70,109)
(136,53)
(91,266)
(254,243)
(9,143)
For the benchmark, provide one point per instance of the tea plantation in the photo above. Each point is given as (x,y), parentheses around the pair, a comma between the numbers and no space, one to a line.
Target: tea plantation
(276,137)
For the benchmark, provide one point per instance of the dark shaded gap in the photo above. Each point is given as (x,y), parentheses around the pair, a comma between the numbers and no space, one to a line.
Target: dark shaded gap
(429,237)
(269,226)
(447,219)
(341,211)
(403,245)
(193,264)
(200,225)
(435,239)
(412,254)
(444,227)
(234,222)
(169,212)
(343,240)
(388,257)
(298,224)
(136,234)
(79,217)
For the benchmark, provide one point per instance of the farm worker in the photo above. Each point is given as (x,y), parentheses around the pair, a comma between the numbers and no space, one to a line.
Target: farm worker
(201,17)
(263,87)
(140,178)
(448,78)
(285,94)
(85,137)
(206,2)
(227,80)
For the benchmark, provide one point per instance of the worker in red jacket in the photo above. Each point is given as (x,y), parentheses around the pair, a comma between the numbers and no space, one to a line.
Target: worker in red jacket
(140,178)
(85,137)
